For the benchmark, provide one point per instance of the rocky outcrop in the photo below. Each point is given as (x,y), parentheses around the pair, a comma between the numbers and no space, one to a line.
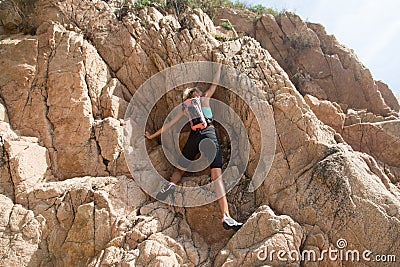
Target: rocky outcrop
(263,232)
(54,92)
(28,162)
(390,98)
(329,113)
(92,221)
(21,234)
(322,70)
(7,186)
(65,90)
(381,140)
(315,61)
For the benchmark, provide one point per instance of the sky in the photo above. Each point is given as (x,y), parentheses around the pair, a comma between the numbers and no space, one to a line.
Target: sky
(371,28)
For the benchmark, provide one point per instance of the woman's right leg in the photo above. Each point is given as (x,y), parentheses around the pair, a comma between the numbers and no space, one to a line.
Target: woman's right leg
(169,188)
(189,152)
(177,175)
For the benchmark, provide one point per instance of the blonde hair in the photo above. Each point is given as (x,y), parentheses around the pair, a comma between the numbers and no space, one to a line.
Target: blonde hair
(188,92)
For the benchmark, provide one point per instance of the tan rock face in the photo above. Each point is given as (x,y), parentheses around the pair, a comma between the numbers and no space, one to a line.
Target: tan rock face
(263,232)
(47,104)
(321,67)
(381,140)
(112,99)
(83,215)
(69,98)
(343,179)
(18,99)
(108,133)
(21,234)
(29,165)
(315,61)
(65,91)
(7,186)
(329,113)
(388,95)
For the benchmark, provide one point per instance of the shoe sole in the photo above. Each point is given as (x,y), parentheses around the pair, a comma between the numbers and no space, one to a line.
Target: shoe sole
(228,227)
(163,196)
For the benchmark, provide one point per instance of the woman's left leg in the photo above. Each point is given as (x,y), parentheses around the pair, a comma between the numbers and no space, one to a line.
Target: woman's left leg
(220,191)
(216,172)
(227,221)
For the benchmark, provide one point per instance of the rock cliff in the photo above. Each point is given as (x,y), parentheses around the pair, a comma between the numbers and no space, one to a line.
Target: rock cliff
(68,71)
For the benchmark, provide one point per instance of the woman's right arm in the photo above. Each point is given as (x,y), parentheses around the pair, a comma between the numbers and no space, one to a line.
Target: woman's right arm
(165,127)
(217,76)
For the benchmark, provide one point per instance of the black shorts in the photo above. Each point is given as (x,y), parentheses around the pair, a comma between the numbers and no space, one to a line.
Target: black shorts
(191,148)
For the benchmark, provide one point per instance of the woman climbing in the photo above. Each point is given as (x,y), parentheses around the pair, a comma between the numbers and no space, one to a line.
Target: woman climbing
(196,105)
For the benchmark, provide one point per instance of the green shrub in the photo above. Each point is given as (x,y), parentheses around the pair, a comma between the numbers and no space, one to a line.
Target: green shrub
(261,9)
(208,6)
(223,38)
(147,3)
(238,4)
(226,24)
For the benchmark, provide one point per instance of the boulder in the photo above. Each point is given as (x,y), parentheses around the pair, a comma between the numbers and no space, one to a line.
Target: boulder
(388,95)
(331,194)
(21,235)
(108,133)
(158,237)
(112,100)
(381,140)
(83,215)
(329,113)
(29,165)
(263,240)
(363,116)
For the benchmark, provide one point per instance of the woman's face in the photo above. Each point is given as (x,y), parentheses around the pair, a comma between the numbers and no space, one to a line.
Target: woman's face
(197,93)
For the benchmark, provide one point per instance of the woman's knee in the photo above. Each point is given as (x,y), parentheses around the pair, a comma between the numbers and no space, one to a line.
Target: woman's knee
(215,173)
(180,171)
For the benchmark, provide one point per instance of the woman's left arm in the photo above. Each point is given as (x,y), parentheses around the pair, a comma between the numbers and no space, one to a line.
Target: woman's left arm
(165,127)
